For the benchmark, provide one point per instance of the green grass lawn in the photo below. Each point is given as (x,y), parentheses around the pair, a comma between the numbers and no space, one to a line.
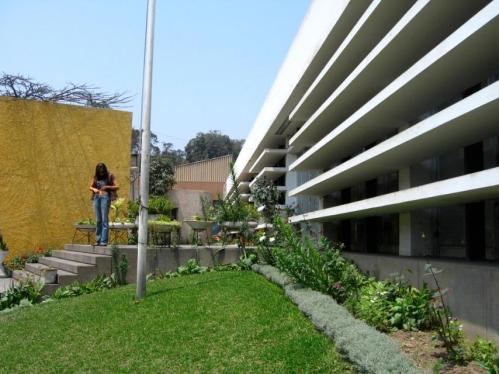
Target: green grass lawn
(216,322)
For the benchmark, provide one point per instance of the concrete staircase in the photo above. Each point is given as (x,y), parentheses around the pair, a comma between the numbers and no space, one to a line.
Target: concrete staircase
(77,262)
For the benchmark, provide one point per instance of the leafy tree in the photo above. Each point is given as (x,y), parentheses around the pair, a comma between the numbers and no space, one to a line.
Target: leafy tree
(161,176)
(177,156)
(155,150)
(210,145)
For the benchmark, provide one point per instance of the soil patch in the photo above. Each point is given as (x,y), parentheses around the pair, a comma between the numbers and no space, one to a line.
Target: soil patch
(419,347)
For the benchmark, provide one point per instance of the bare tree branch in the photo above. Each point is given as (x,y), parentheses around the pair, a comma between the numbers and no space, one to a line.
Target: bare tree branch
(22,87)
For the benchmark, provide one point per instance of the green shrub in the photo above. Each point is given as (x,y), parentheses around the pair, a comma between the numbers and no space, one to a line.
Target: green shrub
(386,305)
(191,267)
(160,205)
(345,277)
(157,205)
(99,283)
(173,224)
(245,262)
(411,308)
(265,249)
(19,262)
(86,221)
(133,209)
(485,353)
(28,290)
(373,305)
(3,245)
(120,262)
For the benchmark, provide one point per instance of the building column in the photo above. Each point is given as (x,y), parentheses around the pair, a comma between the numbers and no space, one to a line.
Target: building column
(291,180)
(346,224)
(474,212)
(405,219)
(371,225)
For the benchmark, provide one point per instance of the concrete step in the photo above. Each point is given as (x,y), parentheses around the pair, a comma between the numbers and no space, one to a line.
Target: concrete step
(6,283)
(67,265)
(84,257)
(23,276)
(63,277)
(85,248)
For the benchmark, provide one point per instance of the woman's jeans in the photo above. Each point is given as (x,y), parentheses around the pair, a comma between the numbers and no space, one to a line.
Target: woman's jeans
(101,208)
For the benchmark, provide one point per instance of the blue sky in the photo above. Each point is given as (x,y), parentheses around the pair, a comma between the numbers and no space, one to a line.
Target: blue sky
(214,60)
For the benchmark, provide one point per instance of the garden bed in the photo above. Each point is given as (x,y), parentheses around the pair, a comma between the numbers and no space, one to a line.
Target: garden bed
(418,345)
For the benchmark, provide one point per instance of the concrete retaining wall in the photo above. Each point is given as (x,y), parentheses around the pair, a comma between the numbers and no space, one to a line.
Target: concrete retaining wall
(473,287)
(169,259)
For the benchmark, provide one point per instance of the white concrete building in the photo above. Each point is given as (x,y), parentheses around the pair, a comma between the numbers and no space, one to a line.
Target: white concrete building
(382,127)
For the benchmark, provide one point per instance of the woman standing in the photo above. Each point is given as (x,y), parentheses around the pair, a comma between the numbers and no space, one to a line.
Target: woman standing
(103,189)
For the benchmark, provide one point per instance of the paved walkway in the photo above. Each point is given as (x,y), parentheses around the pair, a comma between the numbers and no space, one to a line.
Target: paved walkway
(5,283)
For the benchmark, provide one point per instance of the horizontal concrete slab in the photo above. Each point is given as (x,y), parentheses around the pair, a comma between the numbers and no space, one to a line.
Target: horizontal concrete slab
(410,39)
(318,38)
(270,174)
(449,129)
(482,185)
(376,21)
(244,186)
(269,157)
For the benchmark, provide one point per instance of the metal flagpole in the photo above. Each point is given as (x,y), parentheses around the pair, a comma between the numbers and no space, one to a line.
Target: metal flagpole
(145,153)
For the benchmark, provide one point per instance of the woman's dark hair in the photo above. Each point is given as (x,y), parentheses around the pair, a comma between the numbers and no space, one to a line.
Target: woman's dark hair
(101,171)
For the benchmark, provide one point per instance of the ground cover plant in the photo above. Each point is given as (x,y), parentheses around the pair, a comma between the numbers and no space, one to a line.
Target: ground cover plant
(388,306)
(212,322)
(369,350)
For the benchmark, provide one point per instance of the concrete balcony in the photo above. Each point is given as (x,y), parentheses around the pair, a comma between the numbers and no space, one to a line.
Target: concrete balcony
(442,74)
(449,129)
(270,174)
(244,187)
(402,47)
(268,157)
(324,28)
(245,197)
(472,187)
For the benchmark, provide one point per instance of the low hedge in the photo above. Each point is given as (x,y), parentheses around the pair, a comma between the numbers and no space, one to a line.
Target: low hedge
(366,348)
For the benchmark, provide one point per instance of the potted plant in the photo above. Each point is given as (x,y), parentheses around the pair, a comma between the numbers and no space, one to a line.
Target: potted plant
(85,225)
(197,223)
(160,230)
(160,206)
(163,224)
(120,220)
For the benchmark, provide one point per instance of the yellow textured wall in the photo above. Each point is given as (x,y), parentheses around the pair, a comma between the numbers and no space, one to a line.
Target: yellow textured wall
(48,154)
